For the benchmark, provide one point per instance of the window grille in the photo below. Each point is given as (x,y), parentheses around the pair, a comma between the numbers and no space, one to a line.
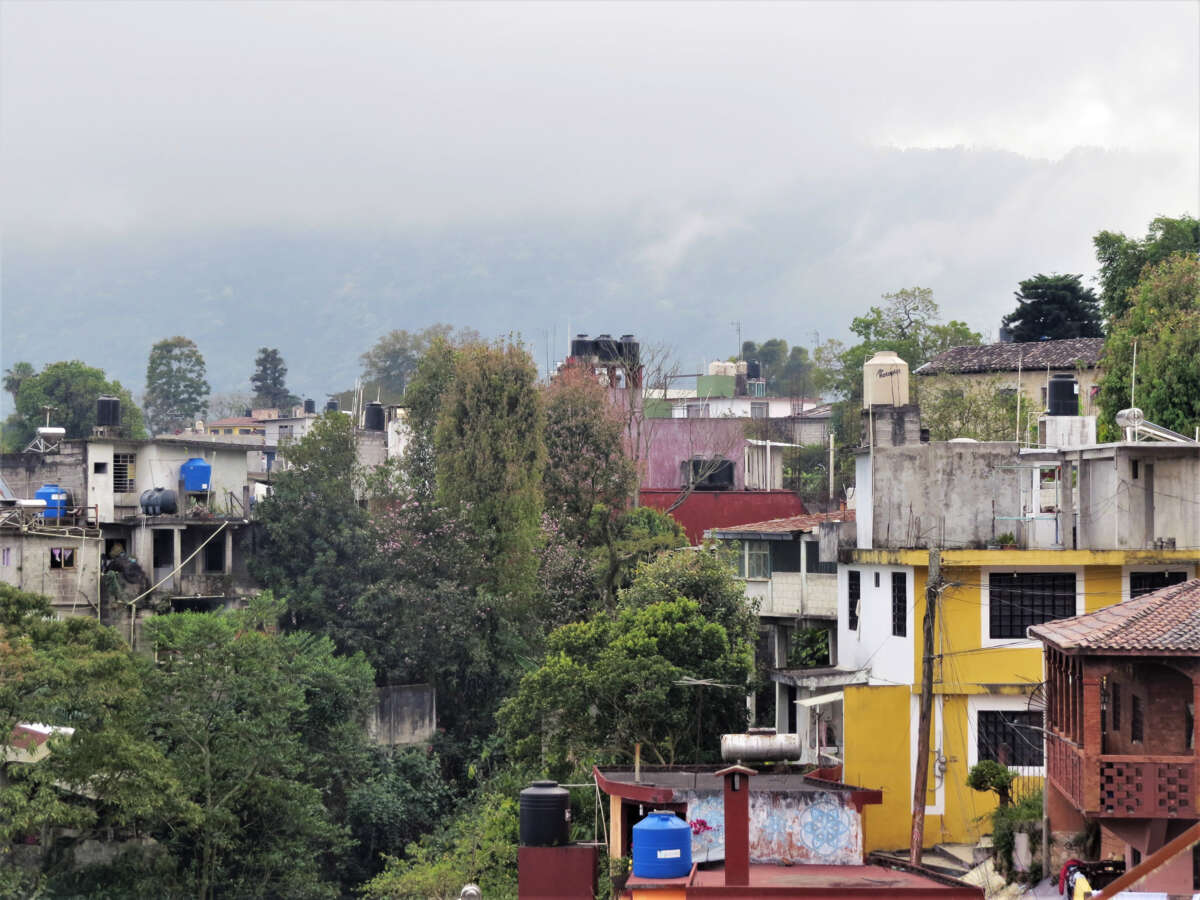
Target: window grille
(854,585)
(1116,707)
(1146,582)
(899,604)
(123,472)
(1010,737)
(1018,600)
(1135,718)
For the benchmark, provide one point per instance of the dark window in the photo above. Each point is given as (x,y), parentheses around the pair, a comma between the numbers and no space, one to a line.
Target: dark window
(1011,737)
(100,468)
(62,558)
(1135,717)
(785,556)
(1116,707)
(1019,599)
(854,583)
(876,579)
(758,410)
(214,555)
(709,474)
(1145,582)
(812,559)
(123,472)
(899,604)
(1134,468)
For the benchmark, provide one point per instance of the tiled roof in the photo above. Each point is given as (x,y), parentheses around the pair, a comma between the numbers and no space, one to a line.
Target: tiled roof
(1167,620)
(1006,357)
(806,522)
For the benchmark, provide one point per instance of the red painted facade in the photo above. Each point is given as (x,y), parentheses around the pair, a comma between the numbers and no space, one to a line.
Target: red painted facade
(557,873)
(719,509)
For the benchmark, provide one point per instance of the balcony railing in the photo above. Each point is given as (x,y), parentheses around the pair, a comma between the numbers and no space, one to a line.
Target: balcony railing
(1150,786)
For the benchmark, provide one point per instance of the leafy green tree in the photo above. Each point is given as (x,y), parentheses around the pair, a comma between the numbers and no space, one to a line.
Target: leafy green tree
(72,389)
(1054,307)
(1123,259)
(1163,318)
(490,453)
(634,537)
(233,701)
(269,381)
(984,410)
(14,375)
(789,372)
(176,390)
(586,462)
(319,549)
(423,398)
(394,358)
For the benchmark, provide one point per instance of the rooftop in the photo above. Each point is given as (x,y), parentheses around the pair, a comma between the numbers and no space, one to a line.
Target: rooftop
(782,528)
(1166,621)
(1008,357)
(812,881)
(658,784)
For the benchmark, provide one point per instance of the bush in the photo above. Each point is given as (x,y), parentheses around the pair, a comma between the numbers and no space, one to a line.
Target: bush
(1007,821)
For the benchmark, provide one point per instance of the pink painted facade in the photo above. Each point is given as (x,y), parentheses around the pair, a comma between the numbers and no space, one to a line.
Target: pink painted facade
(674,440)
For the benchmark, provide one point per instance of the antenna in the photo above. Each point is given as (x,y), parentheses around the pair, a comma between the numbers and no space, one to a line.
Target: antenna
(738,326)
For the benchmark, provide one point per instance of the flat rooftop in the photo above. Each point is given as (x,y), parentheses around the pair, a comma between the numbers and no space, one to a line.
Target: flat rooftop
(811,881)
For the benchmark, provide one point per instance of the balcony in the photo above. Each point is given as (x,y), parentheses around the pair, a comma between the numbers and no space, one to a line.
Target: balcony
(1123,786)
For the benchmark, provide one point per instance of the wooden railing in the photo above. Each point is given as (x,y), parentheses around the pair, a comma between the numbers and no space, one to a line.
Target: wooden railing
(1125,786)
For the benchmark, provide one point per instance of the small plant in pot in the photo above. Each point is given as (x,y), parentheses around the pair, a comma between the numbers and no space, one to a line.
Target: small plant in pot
(1007,541)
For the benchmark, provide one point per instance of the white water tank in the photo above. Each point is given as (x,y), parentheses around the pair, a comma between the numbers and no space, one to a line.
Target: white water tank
(885,380)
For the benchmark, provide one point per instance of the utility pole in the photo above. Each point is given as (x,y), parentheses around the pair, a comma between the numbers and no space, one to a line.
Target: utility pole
(738,326)
(933,593)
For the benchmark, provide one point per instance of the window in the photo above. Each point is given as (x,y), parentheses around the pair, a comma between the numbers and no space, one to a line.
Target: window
(1133,468)
(214,556)
(812,560)
(6,556)
(100,468)
(899,604)
(1146,582)
(876,579)
(758,409)
(1017,600)
(758,559)
(1116,707)
(854,585)
(62,557)
(785,556)
(123,472)
(1010,737)
(1135,717)
(697,410)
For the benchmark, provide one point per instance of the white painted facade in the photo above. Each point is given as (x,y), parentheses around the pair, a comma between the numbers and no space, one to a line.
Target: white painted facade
(872,645)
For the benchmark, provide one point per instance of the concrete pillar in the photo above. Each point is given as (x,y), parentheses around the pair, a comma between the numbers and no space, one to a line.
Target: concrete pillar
(176,557)
(228,549)
(1066,506)
(737,824)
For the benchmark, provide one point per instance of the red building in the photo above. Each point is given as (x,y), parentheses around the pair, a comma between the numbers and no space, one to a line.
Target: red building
(705,510)
(1123,686)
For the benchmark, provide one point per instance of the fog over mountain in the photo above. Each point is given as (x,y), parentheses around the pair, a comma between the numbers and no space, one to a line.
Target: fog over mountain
(310,176)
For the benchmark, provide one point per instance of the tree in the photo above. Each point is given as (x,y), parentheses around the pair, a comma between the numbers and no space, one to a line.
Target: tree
(423,399)
(586,462)
(394,358)
(786,371)
(15,375)
(176,390)
(1163,319)
(319,549)
(72,389)
(1122,259)
(1054,307)
(983,410)
(269,381)
(490,453)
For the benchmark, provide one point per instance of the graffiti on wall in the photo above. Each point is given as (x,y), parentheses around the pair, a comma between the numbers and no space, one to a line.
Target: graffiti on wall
(809,827)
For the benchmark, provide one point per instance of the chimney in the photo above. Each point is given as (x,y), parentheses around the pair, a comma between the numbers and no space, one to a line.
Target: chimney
(737,825)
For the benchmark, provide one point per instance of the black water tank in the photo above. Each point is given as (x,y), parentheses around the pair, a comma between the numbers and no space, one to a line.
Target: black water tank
(373,419)
(581,347)
(248,413)
(158,502)
(310,406)
(544,815)
(630,351)
(108,411)
(1064,395)
(753,369)
(607,350)
(331,406)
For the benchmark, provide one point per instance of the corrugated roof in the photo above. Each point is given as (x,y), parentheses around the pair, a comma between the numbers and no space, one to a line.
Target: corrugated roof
(1164,621)
(1006,357)
(806,522)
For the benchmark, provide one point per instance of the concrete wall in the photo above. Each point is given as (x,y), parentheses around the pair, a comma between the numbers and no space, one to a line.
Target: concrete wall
(1123,509)
(24,473)
(25,563)
(795,594)
(404,714)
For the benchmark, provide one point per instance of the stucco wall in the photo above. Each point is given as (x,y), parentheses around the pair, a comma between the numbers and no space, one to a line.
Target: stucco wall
(25,560)
(674,440)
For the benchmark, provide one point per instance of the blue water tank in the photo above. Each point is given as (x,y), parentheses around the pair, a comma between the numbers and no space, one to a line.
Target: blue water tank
(196,475)
(56,500)
(662,846)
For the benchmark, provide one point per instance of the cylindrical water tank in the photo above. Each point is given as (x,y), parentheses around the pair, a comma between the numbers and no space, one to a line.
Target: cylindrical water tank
(56,500)
(607,349)
(662,846)
(761,745)
(885,380)
(196,475)
(108,411)
(331,405)
(545,811)
(753,369)
(1063,395)
(373,419)
(158,502)
(310,406)
(631,351)
(581,347)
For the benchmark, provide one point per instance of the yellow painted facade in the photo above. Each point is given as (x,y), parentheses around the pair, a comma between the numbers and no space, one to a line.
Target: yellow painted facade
(879,720)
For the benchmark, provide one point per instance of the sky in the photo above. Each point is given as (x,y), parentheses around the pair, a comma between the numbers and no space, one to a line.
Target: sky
(811,155)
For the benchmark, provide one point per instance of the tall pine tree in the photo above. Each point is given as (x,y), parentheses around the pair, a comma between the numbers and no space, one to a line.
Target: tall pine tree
(176,390)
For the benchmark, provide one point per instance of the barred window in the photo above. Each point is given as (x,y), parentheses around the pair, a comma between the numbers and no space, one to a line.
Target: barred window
(899,604)
(854,585)
(1017,600)
(812,559)
(1146,582)
(123,472)
(758,559)
(1116,707)
(1135,718)
(1011,737)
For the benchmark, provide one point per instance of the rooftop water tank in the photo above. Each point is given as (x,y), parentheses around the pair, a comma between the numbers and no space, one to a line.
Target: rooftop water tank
(631,351)
(582,348)
(1063,395)
(108,412)
(373,419)
(753,369)
(310,406)
(196,475)
(662,846)
(55,498)
(607,350)
(544,814)
(331,405)
(885,380)
(158,502)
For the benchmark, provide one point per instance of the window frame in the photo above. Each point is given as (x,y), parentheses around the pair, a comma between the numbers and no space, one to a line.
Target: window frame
(65,559)
(1027,745)
(124,473)
(977,703)
(758,550)
(760,409)
(1128,573)
(986,572)
(853,598)
(900,612)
